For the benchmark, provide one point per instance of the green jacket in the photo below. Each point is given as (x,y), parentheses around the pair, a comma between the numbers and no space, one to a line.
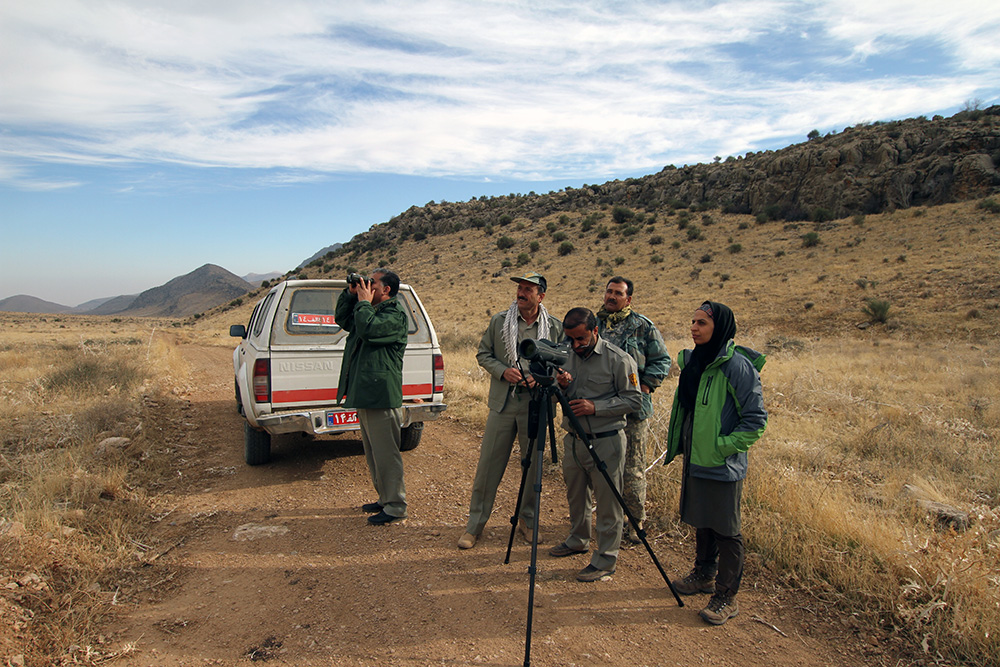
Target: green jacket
(371,373)
(641,340)
(729,415)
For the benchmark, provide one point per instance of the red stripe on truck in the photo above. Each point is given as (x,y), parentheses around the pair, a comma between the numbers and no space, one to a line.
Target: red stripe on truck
(330,395)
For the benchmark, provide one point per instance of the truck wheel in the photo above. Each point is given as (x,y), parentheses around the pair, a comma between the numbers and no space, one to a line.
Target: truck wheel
(410,436)
(256,445)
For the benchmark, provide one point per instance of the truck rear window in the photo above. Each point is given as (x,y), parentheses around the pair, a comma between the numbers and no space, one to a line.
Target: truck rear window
(311,311)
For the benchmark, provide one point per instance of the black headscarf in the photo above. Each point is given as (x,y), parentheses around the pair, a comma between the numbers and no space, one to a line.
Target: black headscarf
(703,355)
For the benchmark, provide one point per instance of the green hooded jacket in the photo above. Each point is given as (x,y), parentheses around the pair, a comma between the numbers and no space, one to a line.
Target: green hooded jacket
(729,415)
(371,373)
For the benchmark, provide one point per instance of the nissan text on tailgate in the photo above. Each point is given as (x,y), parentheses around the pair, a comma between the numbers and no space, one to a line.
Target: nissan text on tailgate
(287,367)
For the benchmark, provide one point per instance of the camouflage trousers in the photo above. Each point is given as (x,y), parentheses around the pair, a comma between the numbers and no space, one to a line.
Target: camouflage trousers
(634,482)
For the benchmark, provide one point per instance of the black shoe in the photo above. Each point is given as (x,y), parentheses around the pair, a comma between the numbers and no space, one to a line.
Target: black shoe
(382,518)
(562,550)
(371,508)
(591,573)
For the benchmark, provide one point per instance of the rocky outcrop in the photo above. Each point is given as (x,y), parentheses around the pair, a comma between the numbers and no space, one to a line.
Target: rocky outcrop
(868,168)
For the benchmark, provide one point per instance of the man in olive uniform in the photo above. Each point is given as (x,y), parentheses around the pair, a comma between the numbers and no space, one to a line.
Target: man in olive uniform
(508,401)
(371,380)
(602,386)
(639,337)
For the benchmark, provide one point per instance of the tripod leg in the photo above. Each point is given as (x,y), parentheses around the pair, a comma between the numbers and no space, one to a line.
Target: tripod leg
(533,430)
(602,466)
(544,415)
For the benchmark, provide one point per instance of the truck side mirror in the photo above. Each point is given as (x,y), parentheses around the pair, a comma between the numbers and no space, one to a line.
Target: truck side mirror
(237,331)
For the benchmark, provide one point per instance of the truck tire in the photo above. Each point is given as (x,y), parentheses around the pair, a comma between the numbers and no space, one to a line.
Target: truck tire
(410,436)
(256,445)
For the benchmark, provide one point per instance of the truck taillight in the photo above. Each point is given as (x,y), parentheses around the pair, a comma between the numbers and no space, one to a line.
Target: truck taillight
(438,374)
(262,381)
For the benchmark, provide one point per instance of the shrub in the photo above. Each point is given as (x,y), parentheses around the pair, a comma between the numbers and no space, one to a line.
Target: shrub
(505,242)
(810,239)
(533,246)
(622,214)
(565,248)
(559,236)
(694,234)
(735,248)
(504,220)
(656,259)
(602,232)
(655,240)
(523,259)
(821,214)
(619,261)
(989,205)
(706,258)
(877,309)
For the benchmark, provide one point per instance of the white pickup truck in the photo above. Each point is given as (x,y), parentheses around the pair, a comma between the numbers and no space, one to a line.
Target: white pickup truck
(287,367)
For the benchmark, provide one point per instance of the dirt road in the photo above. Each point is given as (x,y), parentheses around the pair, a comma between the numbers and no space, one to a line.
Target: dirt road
(277,564)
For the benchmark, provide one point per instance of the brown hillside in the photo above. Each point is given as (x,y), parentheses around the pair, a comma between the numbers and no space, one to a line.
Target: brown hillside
(937,266)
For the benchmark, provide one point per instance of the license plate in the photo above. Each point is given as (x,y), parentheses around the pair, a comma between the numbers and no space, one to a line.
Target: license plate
(342,418)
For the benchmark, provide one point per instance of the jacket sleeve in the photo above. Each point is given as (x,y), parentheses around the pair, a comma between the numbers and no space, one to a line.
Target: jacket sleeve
(487,355)
(627,397)
(379,326)
(344,313)
(657,359)
(749,395)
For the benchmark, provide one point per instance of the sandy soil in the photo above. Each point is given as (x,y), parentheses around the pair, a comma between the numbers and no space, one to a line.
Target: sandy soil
(277,564)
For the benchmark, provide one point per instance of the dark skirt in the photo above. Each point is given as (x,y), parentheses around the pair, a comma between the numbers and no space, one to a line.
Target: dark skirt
(708,503)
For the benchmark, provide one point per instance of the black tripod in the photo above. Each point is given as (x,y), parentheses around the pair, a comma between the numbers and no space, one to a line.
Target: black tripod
(540,414)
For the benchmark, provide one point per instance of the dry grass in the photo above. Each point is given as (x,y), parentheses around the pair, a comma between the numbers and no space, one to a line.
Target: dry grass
(857,415)
(72,513)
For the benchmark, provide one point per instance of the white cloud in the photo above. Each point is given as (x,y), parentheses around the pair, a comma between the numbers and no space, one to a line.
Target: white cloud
(454,88)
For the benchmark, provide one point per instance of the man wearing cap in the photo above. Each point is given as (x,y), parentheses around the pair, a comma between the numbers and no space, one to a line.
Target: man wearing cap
(639,338)
(602,386)
(508,401)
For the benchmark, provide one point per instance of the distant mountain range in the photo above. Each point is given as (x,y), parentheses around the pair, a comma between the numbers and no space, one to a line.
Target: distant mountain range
(320,253)
(195,292)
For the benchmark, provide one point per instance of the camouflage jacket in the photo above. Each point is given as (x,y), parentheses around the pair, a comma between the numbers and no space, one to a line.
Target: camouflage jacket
(639,337)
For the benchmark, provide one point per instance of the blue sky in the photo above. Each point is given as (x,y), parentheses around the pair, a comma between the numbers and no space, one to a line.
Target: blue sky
(142,139)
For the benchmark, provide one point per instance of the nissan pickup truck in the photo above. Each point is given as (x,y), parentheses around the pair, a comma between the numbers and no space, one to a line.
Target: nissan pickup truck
(287,366)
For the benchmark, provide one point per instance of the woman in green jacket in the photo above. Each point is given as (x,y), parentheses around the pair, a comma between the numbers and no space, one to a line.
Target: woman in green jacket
(718,412)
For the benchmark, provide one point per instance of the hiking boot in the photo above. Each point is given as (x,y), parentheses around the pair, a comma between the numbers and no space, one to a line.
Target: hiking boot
(525,533)
(696,582)
(467,541)
(630,534)
(371,508)
(720,609)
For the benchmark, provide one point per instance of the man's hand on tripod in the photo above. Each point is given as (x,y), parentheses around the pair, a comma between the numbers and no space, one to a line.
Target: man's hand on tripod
(513,375)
